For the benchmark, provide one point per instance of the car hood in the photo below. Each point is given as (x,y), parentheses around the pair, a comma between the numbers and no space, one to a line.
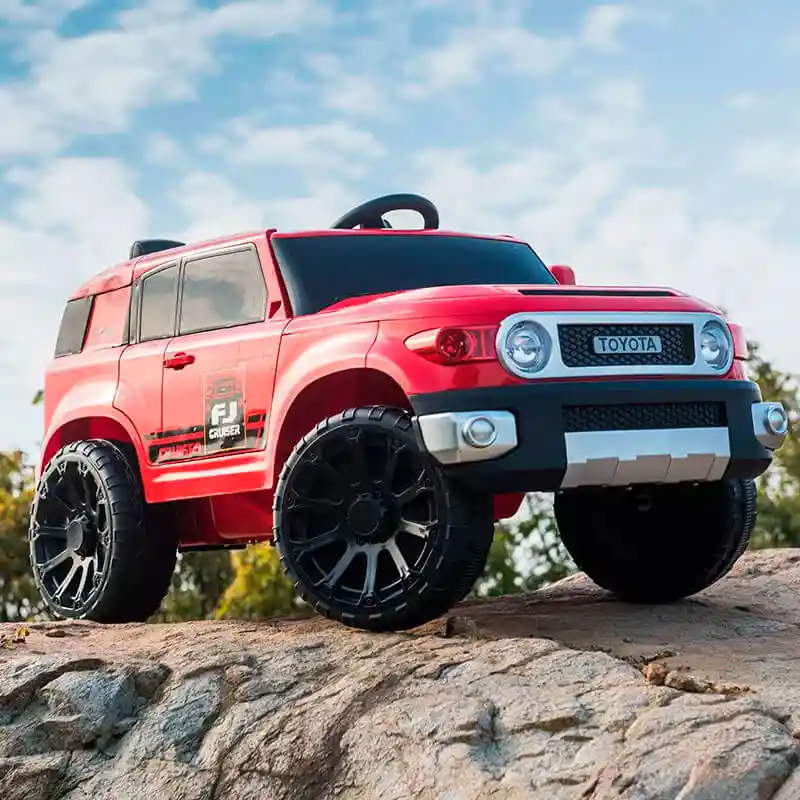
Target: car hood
(505,299)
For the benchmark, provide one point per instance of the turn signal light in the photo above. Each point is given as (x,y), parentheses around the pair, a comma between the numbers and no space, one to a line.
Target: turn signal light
(455,345)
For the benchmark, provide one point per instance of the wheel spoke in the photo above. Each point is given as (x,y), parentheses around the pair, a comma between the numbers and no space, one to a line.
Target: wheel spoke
(320,541)
(393,448)
(49,531)
(361,473)
(55,561)
(370,571)
(74,495)
(89,498)
(419,529)
(68,580)
(97,572)
(307,503)
(333,577)
(416,489)
(332,474)
(399,559)
(84,565)
(65,509)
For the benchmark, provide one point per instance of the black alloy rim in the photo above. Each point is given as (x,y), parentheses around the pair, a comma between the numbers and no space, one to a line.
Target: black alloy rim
(361,516)
(70,539)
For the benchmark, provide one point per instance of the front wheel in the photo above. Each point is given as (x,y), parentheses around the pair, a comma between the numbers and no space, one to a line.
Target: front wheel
(369,528)
(656,544)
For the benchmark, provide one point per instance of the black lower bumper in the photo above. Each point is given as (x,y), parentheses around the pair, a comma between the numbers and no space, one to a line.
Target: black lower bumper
(547,412)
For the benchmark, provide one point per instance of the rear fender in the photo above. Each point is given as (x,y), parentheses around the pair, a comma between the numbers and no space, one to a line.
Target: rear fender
(87,411)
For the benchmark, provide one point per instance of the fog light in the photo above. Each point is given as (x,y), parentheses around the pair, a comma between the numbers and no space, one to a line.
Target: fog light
(479,432)
(777,420)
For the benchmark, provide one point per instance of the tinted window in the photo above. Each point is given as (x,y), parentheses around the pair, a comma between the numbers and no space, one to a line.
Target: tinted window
(221,291)
(321,270)
(158,300)
(72,330)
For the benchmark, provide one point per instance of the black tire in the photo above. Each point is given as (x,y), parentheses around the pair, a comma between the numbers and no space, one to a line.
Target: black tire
(657,544)
(347,497)
(110,556)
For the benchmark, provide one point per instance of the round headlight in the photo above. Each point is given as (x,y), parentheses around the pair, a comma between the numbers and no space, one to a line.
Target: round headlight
(715,344)
(526,348)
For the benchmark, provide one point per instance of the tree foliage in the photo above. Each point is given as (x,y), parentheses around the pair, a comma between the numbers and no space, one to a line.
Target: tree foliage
(259,588)
(19,598)
(526,552)
(779,489)
(199,582)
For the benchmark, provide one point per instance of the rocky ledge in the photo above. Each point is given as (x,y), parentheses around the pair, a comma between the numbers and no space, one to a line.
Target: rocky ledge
(561,694)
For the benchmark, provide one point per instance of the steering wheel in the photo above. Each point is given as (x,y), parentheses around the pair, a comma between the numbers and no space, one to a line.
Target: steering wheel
(370,214)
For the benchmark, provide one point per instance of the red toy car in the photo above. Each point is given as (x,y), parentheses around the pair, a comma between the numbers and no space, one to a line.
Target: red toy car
(372,400)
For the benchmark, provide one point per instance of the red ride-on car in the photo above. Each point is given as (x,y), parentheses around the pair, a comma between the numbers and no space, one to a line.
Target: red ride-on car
(372,400)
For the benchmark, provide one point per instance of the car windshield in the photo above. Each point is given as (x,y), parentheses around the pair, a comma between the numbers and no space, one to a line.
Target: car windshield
(321,270)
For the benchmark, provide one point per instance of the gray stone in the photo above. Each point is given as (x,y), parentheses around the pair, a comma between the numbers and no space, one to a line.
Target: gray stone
(562,695)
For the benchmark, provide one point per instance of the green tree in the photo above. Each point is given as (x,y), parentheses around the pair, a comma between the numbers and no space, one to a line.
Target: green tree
(779,496)
(259,589)
(199,582)
(19,598)
(525,554)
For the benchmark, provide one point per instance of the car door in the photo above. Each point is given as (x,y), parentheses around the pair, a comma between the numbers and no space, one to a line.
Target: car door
(152,323)
(219,369)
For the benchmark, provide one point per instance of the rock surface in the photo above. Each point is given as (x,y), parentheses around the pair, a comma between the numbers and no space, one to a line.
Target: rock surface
(565,694)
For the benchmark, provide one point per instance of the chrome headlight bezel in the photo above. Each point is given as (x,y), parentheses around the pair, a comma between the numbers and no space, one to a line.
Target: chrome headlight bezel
(513,327)
(720,333)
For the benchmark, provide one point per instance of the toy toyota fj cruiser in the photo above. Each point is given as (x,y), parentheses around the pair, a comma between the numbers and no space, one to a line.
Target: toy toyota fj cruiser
(372,400)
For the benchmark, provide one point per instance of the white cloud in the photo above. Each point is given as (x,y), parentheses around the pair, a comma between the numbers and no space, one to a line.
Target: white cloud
(163,150)
(602,25)
(473,53)
(41,13)
(71,218)
(155,54)
(744,101)
(770,159)
(213,207)
(316,150)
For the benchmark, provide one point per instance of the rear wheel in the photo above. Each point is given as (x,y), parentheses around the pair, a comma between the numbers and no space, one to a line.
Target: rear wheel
(657,543)
(369,528)
(97,551)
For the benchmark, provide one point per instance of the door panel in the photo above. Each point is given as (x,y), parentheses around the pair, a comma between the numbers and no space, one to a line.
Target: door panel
(218,404)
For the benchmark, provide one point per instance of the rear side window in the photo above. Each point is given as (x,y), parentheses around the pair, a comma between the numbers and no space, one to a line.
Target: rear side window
(74,322)
(158,301)
(108,324)
(221,291)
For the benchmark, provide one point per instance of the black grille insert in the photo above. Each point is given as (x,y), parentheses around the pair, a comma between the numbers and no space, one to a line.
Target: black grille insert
(644,416)
(576,343)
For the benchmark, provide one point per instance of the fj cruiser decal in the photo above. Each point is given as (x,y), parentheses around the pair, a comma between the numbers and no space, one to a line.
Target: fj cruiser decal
(224,412)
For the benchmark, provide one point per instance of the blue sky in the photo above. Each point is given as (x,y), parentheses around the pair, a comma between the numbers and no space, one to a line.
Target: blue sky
(640,142)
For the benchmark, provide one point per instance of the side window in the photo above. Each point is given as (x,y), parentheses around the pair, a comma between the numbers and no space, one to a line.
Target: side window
(221,291)
(74,322)
(158,300)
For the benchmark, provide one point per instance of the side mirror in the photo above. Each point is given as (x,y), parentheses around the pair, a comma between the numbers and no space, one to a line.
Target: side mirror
(564,275)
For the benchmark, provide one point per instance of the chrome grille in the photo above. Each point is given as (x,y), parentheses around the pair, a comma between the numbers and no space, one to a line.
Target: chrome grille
(575,342)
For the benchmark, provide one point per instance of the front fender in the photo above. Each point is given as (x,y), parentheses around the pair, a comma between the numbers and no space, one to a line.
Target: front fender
(309,356)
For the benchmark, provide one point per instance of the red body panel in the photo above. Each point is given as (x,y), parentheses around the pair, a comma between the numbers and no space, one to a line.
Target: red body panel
(276,378)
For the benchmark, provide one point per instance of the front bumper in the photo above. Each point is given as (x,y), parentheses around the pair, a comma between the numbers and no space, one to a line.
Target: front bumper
(559,435)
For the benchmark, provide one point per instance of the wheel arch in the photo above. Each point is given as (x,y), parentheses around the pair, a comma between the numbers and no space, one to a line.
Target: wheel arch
(90,423)
(326,396)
